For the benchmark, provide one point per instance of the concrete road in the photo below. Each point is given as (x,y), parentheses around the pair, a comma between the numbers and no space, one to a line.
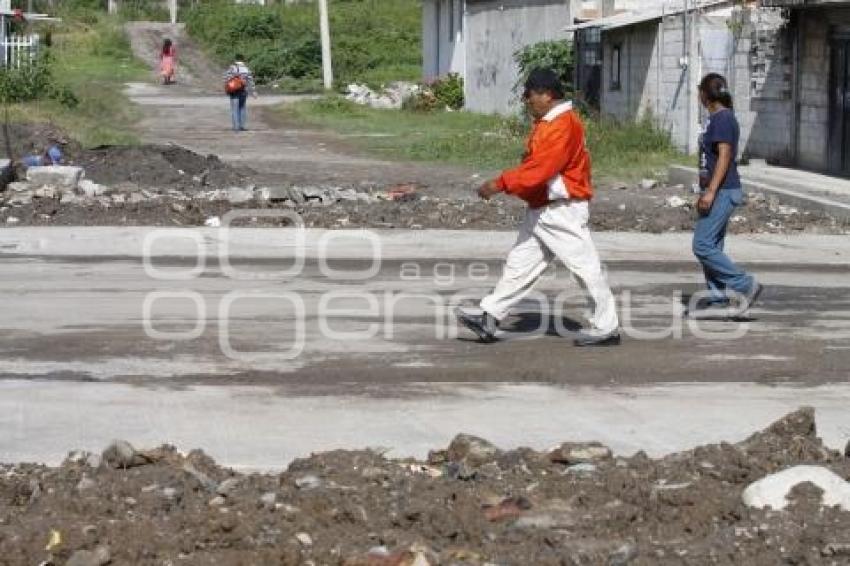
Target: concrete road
(149,334)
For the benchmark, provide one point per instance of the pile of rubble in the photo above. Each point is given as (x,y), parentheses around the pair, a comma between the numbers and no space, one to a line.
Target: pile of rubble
(391,97)
(778,497)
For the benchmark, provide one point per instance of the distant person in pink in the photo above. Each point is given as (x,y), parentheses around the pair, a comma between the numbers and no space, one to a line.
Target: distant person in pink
(167,62)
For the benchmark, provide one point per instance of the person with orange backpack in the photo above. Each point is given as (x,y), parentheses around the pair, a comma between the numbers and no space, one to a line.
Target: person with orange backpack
(238,83)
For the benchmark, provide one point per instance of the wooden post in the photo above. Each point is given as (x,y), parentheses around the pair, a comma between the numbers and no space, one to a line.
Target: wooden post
(325,29)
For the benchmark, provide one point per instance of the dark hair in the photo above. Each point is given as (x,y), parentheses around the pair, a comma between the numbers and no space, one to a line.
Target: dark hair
(716,89)
(238,57)
(541,80)
(166,45)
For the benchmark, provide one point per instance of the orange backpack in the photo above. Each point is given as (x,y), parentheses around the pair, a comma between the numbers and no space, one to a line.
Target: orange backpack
(234,85)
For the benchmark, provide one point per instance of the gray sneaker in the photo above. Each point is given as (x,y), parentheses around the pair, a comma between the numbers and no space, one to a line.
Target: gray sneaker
(590,338)
(750,298)
(483,325)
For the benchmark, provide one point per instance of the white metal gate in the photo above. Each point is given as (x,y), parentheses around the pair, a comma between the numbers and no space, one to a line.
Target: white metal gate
(18,50)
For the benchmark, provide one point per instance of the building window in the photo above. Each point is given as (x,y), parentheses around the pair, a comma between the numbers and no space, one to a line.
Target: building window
(615,67)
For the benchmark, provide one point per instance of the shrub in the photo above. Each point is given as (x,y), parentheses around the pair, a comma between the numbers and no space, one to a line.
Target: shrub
(555,55)
(33,81)
(438,95)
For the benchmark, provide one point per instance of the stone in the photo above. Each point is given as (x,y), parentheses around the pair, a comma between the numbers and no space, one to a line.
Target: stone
(18,187)
(228,486)
(460,471)
(218,501)
(305,539)
(12,220)
(136,198)
(584,468)
(623,555)
(56,175)
(773,490)
(262,194)
(86,483)
(308,482)
(94,460)
(100,556)
(676,202)
(121,454)
(268,499)
(238,195)
(213,222)
(20,198)
(177,207)
(69,198)
(207,482)
(349,195)
(647,184)
(571,453)
(555,514)
(171,493)
(149,194)
(90,188)
(119,198)
(44,192)
(472,450)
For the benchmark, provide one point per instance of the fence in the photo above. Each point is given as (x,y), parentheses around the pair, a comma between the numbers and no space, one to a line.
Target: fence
(18,50)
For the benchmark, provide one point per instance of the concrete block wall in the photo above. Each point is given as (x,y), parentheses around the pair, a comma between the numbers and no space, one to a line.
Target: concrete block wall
(494,31)
(813,130)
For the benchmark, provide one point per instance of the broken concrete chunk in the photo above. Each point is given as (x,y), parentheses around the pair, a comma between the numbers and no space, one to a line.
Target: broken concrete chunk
(100,556)
(472,450)
(45,192)
(19,187)
(773,490)
(676,202)
(57,175)
(238,195)
(90,188)
(571,453)
(121,454)
(647,184)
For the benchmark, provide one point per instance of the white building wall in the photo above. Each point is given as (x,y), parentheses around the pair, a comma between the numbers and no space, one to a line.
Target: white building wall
(443,49)
(494,31)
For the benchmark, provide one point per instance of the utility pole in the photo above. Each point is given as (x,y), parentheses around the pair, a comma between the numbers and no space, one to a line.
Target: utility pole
(113,6)
(325,30)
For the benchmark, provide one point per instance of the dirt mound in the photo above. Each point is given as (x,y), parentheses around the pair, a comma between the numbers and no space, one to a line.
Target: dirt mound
(153,166)
(469,504)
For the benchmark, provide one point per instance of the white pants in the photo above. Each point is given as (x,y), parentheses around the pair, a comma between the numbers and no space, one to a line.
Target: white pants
(557,230)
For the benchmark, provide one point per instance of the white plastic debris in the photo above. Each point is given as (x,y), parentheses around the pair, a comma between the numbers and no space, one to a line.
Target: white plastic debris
(676,202)
(772,491)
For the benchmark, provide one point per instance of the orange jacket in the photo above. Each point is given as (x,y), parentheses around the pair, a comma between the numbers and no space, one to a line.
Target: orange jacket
(556,163)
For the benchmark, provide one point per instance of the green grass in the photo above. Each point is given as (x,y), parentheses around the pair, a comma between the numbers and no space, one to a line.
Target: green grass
(373,41)
(621,152)
(95,61)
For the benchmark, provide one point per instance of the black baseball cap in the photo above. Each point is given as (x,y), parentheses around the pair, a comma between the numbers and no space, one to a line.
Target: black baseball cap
(541,80)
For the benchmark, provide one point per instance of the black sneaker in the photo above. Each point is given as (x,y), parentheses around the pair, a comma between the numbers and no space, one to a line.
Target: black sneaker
(585,339)
(483,325)
(709,309)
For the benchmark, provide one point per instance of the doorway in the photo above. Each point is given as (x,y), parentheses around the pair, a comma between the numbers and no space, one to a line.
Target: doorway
(839,104)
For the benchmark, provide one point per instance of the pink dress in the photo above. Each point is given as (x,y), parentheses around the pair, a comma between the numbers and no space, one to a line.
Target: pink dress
(167,61)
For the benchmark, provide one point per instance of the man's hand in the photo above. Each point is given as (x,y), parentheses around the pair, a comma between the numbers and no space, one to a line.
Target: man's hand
(705,201)
(488,190)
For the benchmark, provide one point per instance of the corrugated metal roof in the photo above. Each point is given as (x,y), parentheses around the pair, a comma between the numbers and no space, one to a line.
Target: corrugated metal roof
(626,19)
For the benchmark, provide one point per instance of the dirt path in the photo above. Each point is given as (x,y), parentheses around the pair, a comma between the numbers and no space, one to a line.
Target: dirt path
(193,114)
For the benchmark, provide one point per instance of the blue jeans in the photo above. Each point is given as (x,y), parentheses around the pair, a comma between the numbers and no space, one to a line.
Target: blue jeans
(721,273)
(239,110)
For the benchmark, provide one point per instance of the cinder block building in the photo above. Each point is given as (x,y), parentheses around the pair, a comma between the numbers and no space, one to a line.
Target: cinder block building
(786,61)
(477,39)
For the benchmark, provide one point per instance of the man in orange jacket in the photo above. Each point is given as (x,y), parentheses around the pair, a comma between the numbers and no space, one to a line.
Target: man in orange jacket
(554,179)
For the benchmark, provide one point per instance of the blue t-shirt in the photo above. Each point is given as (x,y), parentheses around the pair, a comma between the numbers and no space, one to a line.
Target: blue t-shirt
(720,127)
